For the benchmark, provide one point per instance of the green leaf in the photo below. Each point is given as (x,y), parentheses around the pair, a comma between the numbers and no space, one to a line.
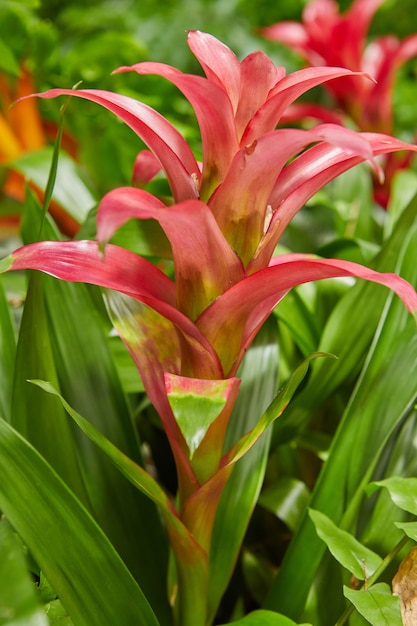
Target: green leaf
(377,604)
(18,601)
(403,491)
(275,410)
(37,417)
(264,618)
(8,61)
(259,385)
(57,614)
(409,528)
(196,404)
(70,191)
(191,559)
(294,313)
(359,444)
(347,550)
(287,498)
(76,318)
(132,471)
(7,355)
(60,535)
(349,331)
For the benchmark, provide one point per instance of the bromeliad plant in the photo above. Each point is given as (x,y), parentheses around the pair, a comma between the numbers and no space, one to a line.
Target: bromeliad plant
(188,336)
(325,37)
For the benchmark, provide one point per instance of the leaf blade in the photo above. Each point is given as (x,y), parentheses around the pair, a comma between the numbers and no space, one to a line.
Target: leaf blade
(45,518)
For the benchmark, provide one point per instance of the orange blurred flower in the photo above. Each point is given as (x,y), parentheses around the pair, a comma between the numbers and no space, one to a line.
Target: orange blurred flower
(22,130)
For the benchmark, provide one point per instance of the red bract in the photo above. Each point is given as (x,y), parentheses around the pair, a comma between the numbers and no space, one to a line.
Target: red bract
(327,38)
(229,213)
(190,335)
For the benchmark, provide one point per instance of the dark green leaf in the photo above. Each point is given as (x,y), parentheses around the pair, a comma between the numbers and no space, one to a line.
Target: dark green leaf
(77,329)
(349,331)
(86,572)
(40,418)
(287,498)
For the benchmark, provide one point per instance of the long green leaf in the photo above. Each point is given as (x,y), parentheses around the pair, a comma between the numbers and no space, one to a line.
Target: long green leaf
(132,471)
(275,410)
(358,314)
(80,563)
(37,417)
(7,355)
(259,373)
(87,377)
(381,401)
(191,559)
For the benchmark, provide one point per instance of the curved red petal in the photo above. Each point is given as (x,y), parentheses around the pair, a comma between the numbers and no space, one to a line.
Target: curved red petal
(159,135)
(231,322)
(205,264)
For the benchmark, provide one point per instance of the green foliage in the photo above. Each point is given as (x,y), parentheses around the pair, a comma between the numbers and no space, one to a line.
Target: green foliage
(359,560)
(60,534)
(377,605)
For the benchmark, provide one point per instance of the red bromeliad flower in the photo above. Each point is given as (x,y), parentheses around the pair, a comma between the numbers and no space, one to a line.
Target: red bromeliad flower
(327,38)
(227,215)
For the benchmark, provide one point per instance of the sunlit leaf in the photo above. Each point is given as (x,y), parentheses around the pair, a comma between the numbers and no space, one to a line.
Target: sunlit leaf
(355,557)
(403,492)
(377,605)
(409,528)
